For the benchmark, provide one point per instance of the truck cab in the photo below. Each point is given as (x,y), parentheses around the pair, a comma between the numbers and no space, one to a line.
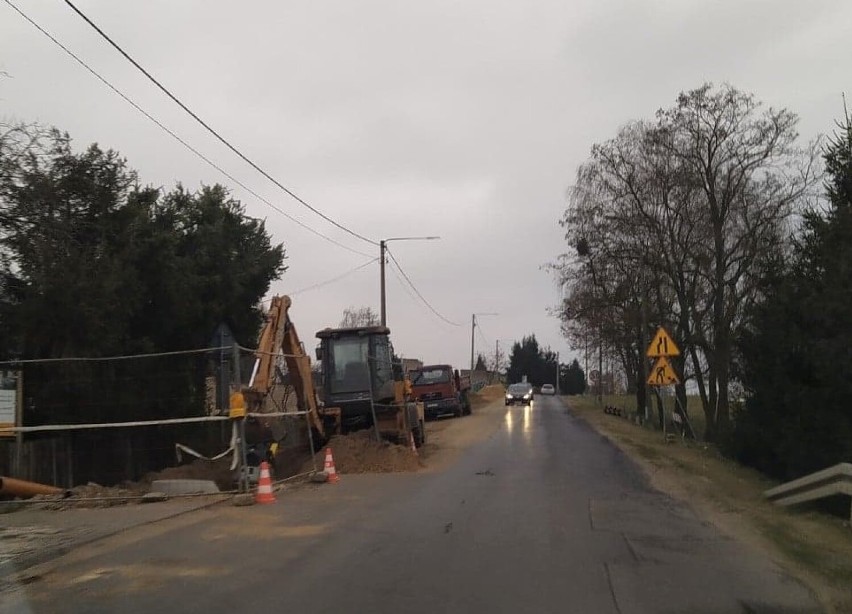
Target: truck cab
(442,391)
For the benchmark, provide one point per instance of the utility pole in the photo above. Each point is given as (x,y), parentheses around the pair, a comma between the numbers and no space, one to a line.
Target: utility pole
(496,361)
(383,248)
(557,373)
(473,338)
(382,275)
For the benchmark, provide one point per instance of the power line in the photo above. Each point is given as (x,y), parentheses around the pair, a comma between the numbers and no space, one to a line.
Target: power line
(212,131)
(334,279)
(27,361)
(176,137)
(413,287)
(404,285)
(482,336)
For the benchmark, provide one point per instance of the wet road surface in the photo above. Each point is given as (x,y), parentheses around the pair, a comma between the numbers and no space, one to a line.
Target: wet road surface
(542,515)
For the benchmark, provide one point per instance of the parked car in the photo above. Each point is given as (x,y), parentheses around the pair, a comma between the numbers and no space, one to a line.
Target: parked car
(519,393)
(548,389)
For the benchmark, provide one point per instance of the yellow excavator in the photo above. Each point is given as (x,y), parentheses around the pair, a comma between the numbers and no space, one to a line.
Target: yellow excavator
(361,387)
(366,385)
(279,339)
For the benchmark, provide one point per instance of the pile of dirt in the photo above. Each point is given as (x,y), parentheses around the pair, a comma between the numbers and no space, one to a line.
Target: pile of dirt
(359,452)
(488,394)
(219,471)
(93,495)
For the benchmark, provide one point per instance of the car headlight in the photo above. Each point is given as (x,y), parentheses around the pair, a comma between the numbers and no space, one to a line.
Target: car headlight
(526,396)
(508,396)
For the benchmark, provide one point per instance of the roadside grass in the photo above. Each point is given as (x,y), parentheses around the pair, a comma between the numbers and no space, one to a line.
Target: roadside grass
(627,403)
(813,546)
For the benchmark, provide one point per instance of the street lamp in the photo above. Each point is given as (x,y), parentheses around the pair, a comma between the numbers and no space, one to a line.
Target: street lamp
(382,248)
(472,337)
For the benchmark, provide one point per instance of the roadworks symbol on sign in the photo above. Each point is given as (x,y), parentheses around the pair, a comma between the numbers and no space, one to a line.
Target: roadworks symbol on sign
(662,345)
(662,373)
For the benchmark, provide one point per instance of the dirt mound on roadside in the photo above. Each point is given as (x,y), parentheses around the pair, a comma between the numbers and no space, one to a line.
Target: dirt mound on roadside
(488,394)
(93,495)
(218,471)
(360,453)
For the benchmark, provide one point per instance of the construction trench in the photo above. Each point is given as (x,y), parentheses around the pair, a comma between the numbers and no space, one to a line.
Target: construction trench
(354,453)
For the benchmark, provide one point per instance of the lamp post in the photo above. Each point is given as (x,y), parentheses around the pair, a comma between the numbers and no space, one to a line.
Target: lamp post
(382,249)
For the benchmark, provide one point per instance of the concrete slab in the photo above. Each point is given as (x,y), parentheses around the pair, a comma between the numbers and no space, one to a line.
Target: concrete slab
(184,487)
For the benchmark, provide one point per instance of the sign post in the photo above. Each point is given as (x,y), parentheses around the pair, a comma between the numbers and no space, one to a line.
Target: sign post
(661,348)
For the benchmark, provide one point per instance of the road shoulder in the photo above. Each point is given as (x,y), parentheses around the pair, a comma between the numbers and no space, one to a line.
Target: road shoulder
(32,538)
(813,548)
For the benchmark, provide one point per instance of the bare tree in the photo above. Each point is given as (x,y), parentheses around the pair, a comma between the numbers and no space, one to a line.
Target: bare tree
(752,177)
(361,316)
(676,218)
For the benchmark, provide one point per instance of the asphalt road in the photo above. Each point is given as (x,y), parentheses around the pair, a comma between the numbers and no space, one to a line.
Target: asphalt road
(542,515)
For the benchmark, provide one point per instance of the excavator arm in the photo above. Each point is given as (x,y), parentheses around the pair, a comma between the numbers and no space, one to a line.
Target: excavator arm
(279,336)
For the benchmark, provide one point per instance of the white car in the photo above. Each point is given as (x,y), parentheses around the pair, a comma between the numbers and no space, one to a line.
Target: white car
(548,389)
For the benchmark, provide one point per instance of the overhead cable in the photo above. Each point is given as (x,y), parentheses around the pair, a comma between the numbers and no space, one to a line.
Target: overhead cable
(416,291)
(482,335)
(335,279)
(176,137)
(214,132)
(404,285)
(27,361)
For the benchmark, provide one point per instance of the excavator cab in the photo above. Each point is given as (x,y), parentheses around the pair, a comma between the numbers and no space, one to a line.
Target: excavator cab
(360,377)
(357,371)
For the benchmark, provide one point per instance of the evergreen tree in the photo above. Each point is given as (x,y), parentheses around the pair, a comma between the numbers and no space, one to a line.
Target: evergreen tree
(795,357)
(573,380)
(529,359)
(92,265)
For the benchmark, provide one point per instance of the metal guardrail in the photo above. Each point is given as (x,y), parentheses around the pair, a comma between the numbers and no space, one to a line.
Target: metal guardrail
(836,480)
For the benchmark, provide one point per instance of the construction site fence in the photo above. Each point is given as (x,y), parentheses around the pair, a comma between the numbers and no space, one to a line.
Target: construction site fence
(116,419)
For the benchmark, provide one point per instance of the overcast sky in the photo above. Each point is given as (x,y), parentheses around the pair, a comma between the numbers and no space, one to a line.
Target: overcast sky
(460,119)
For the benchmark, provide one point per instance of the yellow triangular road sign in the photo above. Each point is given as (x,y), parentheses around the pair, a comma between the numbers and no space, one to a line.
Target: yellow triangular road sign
(662,373)
(662,345)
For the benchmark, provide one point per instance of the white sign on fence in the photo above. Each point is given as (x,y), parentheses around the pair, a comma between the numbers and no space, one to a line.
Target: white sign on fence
(7,411)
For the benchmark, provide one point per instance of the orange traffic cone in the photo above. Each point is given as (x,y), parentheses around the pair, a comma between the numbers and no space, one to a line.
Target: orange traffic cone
(264,486)
(331,472)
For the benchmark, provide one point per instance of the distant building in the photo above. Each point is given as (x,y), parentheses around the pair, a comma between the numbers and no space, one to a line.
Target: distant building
(409,364)
(478,379)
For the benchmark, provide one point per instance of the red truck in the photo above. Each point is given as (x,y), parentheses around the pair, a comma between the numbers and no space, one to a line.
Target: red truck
(442,390)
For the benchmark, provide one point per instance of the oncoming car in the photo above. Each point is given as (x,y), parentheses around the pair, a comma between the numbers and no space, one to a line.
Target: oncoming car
(520,393)
(548,389)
